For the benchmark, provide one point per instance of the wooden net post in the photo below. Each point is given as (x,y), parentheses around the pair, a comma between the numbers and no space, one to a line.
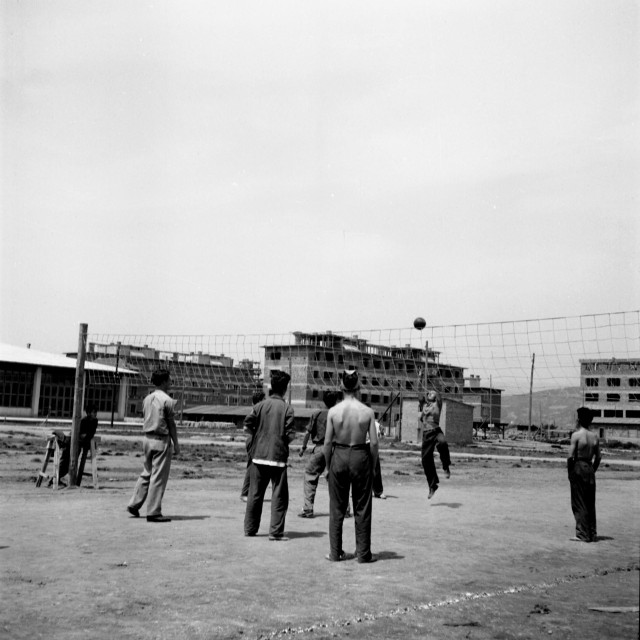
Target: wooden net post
(77,406)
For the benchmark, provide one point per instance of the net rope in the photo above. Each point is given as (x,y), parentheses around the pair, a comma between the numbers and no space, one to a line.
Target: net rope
(217,368)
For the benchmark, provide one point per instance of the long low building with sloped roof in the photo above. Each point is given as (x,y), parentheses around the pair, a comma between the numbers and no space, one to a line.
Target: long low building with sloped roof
(39,384)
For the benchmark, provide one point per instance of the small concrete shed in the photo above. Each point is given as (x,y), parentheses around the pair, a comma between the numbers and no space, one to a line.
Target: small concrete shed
(456,421)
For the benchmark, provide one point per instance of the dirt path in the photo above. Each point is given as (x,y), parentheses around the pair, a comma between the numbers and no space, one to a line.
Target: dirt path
(488,557)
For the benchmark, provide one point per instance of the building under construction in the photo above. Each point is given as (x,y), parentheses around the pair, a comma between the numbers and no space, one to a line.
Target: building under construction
(387,373)
(197,378)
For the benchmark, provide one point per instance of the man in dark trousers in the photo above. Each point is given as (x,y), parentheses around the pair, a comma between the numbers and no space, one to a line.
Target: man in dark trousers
(582,464)
(271,425)
(350,461)
(316,430)
(159,445)
(258,396)
(432,438)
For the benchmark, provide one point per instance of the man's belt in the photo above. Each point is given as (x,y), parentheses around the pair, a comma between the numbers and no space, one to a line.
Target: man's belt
(339,445)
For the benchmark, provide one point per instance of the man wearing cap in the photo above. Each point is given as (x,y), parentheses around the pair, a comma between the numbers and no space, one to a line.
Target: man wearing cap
(582,464)
(350,461)
(271,426)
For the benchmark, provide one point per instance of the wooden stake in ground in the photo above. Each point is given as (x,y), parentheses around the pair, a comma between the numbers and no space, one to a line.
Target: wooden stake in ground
(78,395)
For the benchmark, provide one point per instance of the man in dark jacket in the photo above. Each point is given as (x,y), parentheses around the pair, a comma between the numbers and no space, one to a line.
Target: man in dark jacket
(272,428)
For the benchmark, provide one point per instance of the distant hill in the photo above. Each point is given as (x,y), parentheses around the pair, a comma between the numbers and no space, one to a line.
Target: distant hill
(556,406)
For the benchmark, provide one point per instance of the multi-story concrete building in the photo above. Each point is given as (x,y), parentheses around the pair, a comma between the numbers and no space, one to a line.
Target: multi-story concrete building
(316,360)
(197,378)
(611,389)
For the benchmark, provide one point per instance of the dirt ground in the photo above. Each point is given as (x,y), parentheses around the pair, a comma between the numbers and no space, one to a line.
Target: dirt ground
(488,557)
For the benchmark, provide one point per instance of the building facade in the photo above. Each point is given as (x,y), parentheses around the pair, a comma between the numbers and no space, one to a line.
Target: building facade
(611,389)
(387,373)
(37,384)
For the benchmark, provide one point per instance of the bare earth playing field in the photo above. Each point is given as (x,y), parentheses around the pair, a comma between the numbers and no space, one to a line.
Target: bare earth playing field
(488,557)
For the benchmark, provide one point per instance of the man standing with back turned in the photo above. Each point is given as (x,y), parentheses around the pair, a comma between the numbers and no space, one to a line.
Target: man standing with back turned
(159,445)
(271,424)
(350,461)
(582,464)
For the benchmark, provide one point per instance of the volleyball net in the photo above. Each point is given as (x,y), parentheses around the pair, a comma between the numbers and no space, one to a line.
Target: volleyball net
(498,354)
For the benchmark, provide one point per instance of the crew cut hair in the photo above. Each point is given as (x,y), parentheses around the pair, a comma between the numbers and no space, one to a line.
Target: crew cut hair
(159,377)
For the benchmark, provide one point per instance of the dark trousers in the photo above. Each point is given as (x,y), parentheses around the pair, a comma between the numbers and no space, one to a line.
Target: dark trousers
(583,500)
(260,477)
(434,439)
(350,470)
(378,489)
(244,492)
(247,480)
(64,442)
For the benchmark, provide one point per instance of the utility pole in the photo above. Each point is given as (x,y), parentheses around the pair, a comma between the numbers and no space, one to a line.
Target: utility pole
(78,393)
(114,386)
(533,361)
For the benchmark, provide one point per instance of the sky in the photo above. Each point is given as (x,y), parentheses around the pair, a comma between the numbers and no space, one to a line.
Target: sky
(175,167)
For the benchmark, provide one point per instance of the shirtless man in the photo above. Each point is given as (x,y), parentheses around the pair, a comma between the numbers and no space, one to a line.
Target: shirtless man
(582,464)
(350,464)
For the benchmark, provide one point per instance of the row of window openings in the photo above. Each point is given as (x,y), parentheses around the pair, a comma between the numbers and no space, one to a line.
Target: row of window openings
(616,413)
(611,382)
(377,364)
(210,398)
(611,397)
(328,376)
(208,383)
(176,392)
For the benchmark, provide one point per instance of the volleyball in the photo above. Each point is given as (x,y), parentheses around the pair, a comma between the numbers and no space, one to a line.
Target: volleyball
(419,323)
